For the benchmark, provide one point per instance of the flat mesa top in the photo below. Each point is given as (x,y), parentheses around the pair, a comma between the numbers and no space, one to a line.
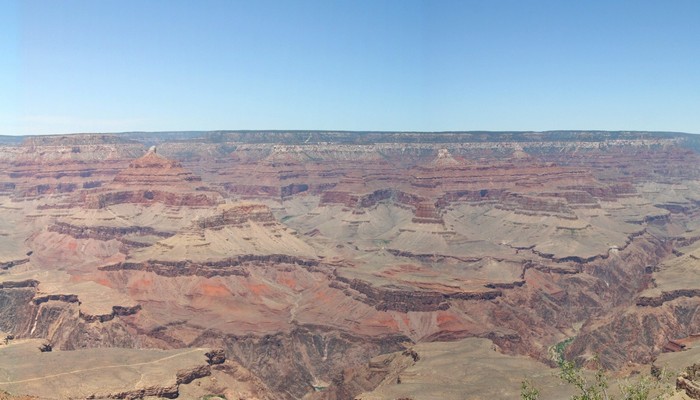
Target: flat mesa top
(81,373)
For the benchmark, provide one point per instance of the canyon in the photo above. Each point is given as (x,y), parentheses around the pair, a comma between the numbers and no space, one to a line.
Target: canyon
(343,265)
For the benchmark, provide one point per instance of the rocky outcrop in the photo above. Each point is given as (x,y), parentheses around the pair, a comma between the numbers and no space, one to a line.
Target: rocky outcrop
(291,363)
(149,196)
(116,311)
(182,268)
(233,266)
(29,283)
(67,298)
(689,381)
(160,391)
(16,311)
(13,263)
(238,216)
(187,376)
(647,301)
(154,179)
(398,300)
(554,269)
(163,392)
(61,167)
(59,319)
(104,232)
(385,299)
(216,357)
(577,260)
(72,298)
(430,256)
(623,201)
(365,378)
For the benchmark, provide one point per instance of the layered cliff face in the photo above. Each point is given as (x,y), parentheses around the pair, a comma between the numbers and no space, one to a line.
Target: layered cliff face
(154,179)
(449,370)
(58,166)
(305,255)
(90,374)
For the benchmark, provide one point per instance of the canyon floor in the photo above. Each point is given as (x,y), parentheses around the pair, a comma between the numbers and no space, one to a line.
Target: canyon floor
(344,265)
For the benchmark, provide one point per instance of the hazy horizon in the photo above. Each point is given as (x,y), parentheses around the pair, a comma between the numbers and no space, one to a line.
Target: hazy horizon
(348,131)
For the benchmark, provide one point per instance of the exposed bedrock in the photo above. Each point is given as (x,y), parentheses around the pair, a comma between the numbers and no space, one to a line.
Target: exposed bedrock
(67,298)
(160,392)
(550,303)
(58,319)
(429,257)
(504,201)
(400,300)
(63,326)
(116,311)
(619,331)
(551,297)
(625,272)
(57,178)
(13,263)
(689,381)
(148,196)
(238,216)
(352,200)
(232,266)
(385,299)
(153,179)
(171,391)
(691,388)
(103,232)
(37,167)
(16,310)
(293,363)
(429,207)
(656,301)
(638,334)
(292,189)
(367,377)
(28,283)
(592,260)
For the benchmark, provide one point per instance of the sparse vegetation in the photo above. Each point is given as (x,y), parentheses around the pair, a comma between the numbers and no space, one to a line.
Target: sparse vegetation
(649,387)
(528,392)
(595,390)
(559,348)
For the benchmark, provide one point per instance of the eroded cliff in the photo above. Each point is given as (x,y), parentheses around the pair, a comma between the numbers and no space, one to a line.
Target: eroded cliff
(305,254)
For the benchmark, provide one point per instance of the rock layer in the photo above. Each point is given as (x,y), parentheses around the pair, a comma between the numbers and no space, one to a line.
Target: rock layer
(304,255)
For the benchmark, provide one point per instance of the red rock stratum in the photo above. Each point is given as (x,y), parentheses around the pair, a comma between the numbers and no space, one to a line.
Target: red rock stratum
(314,260)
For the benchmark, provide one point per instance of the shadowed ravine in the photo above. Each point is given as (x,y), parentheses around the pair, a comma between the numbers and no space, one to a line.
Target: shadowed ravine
(321,262)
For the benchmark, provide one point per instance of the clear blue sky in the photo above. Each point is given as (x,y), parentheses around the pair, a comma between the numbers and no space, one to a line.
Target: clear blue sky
(106,66)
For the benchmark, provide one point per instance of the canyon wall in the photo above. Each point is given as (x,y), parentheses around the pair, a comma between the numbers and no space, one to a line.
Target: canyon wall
(305,254)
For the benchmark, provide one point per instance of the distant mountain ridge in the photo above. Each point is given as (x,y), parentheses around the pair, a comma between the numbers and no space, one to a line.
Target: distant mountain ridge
(362,137)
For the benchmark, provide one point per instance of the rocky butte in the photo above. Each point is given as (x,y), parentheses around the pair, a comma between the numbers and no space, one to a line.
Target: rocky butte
(343,265)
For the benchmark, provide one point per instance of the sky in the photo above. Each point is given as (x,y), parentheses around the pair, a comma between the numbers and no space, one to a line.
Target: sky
(110,66)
